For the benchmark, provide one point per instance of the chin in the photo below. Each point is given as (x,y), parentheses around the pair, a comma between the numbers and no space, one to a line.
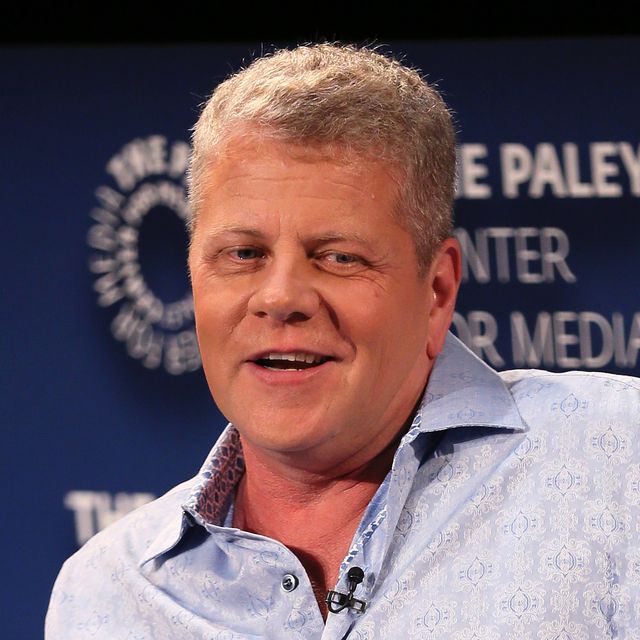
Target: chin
(286,437)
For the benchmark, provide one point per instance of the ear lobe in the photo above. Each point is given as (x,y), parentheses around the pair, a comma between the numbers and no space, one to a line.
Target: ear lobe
(444,276)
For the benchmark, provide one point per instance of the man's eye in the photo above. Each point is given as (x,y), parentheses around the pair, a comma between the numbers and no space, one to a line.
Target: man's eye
(343,258)
(336,258)
(246,253)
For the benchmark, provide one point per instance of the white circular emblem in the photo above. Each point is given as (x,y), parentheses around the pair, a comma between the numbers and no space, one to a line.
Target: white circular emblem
(149,174)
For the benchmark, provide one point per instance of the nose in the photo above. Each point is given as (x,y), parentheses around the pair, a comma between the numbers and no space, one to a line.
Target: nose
(285,293)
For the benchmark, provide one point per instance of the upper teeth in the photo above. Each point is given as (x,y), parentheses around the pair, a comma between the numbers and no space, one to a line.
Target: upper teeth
(294,357)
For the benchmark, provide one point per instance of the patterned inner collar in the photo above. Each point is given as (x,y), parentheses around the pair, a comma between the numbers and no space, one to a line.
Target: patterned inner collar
(216,482)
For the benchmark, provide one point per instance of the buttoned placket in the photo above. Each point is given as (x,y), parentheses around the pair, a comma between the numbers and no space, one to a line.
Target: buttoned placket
(375,535)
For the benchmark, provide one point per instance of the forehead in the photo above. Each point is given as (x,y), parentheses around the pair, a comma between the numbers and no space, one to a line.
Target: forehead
(254,167)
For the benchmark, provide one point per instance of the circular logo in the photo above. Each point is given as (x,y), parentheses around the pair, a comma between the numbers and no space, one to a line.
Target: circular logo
(140,224)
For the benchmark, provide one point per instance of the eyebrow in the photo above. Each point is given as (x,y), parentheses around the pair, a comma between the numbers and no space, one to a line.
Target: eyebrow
(342,237)
(325,238)
(233,229)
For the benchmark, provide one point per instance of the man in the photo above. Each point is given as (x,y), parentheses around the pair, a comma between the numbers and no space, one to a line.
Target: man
(377,480)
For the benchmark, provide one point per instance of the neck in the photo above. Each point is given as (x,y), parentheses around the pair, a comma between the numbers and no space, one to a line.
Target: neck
(314,515)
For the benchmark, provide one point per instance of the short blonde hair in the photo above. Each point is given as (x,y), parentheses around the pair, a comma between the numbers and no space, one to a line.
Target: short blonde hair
(353,98)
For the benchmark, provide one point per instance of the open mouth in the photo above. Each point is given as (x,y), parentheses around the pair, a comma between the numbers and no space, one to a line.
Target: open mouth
(291,361)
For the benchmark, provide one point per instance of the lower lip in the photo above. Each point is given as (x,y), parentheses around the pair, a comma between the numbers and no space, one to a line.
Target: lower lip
(288,377)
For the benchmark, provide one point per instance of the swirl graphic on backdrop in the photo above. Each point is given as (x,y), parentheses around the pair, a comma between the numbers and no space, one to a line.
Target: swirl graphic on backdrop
(139,243)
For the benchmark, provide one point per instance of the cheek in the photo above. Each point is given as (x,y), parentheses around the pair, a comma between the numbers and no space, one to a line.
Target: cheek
(372,321)
(395,326)
(212,327)
(354,311)
(218,307)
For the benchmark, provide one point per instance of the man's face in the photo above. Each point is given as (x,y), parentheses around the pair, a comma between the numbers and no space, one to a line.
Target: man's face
(311,317)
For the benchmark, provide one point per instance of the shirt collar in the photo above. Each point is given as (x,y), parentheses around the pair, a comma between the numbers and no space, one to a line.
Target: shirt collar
(462,391)
(209,497)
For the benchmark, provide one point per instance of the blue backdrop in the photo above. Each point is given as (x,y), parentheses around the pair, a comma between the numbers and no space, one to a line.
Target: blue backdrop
(104,404)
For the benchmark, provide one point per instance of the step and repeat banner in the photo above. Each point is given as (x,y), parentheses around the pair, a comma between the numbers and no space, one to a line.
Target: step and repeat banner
(104,402)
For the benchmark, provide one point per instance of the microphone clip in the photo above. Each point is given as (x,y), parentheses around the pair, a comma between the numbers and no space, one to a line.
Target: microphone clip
(337,601)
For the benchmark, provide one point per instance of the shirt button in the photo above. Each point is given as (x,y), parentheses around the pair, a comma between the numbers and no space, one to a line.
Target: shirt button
(289,582)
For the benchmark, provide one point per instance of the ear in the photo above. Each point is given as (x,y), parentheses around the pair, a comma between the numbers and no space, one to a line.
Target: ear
(444,278)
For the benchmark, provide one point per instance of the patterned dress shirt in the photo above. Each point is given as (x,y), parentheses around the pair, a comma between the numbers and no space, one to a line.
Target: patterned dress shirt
(512,511)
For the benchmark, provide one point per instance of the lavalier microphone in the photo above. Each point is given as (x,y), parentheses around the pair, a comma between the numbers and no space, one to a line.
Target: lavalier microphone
(337,601)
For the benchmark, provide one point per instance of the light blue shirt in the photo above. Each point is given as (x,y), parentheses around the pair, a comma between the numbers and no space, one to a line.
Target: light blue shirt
(512,511)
